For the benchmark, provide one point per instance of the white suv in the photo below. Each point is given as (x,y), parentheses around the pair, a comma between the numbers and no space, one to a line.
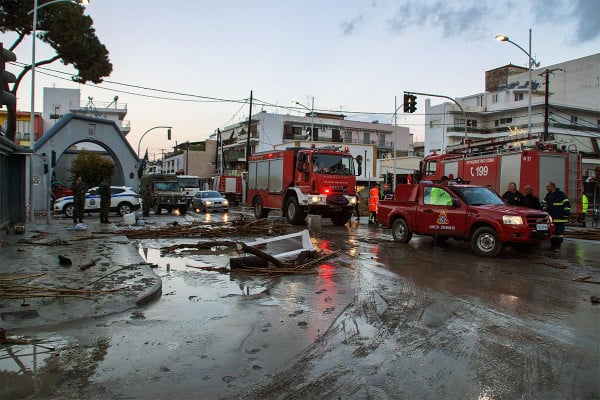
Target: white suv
(123,200)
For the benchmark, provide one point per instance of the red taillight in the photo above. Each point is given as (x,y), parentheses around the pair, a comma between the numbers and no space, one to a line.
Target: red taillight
(326,190)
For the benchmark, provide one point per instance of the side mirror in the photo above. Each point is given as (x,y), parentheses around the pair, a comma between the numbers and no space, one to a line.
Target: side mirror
(359,161)
(455,202)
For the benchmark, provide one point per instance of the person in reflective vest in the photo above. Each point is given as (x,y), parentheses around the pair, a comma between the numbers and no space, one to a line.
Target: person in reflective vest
(373,201)
(558,206)
(584,207)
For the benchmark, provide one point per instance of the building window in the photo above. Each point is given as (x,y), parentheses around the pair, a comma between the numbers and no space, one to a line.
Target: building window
(518,96)
(495,98)
(347,136)
(435,123)
(573,119)
(497,122)
(471,122)
(366,137)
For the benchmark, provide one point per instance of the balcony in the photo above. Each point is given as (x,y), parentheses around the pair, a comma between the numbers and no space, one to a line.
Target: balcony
(99,109)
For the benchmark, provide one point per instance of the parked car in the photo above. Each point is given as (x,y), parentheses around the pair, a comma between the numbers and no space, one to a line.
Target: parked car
(123,200)
(209,200)
(59,190)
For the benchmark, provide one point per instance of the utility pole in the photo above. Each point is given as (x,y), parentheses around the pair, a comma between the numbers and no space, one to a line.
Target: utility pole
(248,138)
(546,101)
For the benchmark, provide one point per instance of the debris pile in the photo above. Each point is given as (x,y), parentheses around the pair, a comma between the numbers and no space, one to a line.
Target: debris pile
(242,226)
(587,234)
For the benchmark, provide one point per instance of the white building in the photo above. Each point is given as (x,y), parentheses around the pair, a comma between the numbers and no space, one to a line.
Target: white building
(268,131)
(573,112)
(59,101)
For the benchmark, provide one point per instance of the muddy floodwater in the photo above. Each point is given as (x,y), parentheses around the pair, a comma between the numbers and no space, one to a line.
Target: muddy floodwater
(381,320)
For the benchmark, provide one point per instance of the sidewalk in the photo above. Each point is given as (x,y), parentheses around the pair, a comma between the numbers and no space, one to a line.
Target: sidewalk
(114,278)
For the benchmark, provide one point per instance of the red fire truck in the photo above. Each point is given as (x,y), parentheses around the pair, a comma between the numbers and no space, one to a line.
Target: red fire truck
(230,186)
(300,181)
(496,162)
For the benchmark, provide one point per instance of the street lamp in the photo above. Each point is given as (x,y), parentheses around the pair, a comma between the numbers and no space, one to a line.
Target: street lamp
(156,127)
(530,63)
(37,7)
(312,115)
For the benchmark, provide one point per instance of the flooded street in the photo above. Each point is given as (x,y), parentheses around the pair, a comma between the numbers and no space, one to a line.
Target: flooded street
(382,320)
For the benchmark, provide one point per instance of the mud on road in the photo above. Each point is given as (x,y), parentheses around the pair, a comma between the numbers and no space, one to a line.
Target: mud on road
(381,321)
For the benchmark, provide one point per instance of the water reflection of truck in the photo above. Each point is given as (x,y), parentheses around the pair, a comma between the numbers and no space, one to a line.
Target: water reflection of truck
(301,181)
(189,185)
(464,212)
(165,193)
(230,187)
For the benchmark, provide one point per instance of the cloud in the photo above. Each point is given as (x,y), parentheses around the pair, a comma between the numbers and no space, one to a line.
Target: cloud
(348,27)
(587,14)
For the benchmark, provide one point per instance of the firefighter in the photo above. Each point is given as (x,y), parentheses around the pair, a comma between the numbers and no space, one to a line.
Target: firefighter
(104,191)
(387,192)
(373,201)
(512,196)
(146,201)
(79,189)
(557,204)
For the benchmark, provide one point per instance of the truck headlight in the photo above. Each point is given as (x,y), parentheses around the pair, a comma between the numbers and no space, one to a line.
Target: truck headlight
(512,220)
(314,199)
(353,200)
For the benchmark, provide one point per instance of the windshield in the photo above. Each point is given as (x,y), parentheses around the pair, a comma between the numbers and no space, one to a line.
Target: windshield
(188,182)
(166,186)
(477,196)
(333,164)
(209,194)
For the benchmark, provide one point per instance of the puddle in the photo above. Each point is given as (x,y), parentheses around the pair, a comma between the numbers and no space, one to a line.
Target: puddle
(183,278)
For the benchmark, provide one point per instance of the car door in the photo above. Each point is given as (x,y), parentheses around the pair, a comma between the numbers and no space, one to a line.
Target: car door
(440,219)
(92,199)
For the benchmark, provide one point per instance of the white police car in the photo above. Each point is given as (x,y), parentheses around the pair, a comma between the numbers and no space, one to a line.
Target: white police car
(123,200)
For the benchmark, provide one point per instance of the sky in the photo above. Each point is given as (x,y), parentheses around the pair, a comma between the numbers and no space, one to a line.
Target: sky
(203,58)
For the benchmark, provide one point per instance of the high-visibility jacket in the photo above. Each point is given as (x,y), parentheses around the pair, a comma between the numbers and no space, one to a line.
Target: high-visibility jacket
(557,204)
(373,198)
(584,203)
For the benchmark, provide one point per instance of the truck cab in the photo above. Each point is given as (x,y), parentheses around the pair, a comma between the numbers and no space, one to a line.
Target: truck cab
(165,193)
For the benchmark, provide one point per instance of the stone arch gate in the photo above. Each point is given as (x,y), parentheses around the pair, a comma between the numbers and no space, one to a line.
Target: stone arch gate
(72,129)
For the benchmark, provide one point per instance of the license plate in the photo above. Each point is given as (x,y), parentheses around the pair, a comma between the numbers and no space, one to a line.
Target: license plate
(541,227)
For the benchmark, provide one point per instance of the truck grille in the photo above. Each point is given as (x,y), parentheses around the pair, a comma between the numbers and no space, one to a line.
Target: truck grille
(534,219)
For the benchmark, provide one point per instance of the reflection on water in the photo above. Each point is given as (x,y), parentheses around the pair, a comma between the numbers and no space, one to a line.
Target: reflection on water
(183,275)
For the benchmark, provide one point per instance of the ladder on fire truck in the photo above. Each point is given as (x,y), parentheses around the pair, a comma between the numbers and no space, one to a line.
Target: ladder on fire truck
(491,144)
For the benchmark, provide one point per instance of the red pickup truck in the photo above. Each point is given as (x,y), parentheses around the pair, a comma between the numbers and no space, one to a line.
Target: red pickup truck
(462,212)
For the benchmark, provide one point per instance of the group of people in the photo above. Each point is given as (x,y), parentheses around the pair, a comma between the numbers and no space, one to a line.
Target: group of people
(556,203)
(80,189)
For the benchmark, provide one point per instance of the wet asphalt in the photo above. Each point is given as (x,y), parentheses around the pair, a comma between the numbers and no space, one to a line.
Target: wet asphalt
(381,320)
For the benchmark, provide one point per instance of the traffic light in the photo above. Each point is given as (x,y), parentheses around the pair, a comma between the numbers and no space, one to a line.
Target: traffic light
(6,98)
(169,133)
(410,103)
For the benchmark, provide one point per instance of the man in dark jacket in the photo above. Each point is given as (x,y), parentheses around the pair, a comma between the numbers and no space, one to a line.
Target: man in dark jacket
(104,191)
(531,200)
(79,190)
(512,196)
(558,206)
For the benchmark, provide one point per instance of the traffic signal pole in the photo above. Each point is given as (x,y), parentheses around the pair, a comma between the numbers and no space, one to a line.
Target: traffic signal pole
(445,97)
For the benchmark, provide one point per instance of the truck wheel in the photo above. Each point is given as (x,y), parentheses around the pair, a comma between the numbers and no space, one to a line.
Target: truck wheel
(169,209)
(340,219)
(294,214)
(259,210)
(157,209)
(68,210)
(400,231)
(183,210)
(485,242)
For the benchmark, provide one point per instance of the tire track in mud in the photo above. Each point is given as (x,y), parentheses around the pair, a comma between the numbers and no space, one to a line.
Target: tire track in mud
(326,370)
